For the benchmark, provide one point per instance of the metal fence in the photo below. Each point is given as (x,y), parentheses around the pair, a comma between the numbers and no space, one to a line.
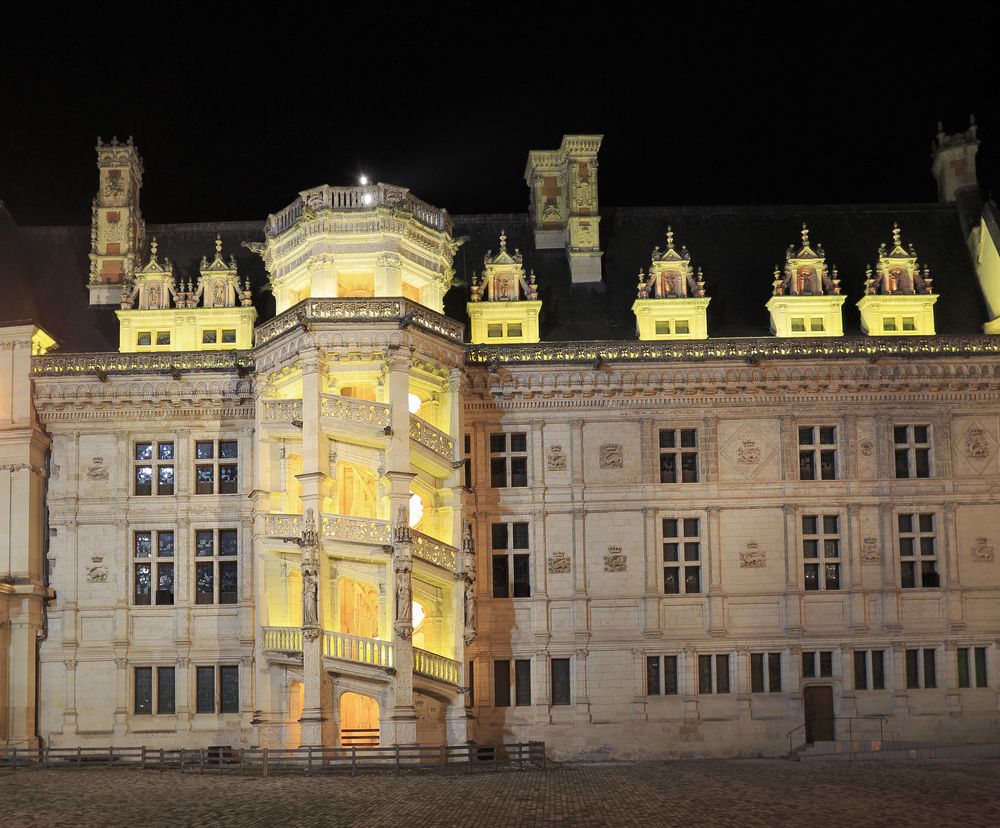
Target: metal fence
(222,760)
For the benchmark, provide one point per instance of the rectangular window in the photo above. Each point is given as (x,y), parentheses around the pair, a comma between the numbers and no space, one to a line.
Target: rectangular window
(143,691)
(974,671)
(678,455)
(913,450)
(821,551)
(153,568)
(681,326)
(869,669)
(817,664)
(662,327)
(713,674)
(917,551)
(216,470)
(798,324)
(208,337)
(217,694)
(165,694)
(661,675)
(513,329)
(921,670)
(765,672)
(681,555)
(508,460)
(560,681)
(154,684)
(215,566)
(153,468)
(817,453)
(501,683)
(511,560)
(522,682)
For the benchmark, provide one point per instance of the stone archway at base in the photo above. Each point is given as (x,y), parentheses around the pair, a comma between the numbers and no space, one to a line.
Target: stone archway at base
(359,720)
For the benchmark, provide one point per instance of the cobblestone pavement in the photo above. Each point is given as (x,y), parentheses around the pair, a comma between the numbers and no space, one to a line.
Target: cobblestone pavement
(688,793)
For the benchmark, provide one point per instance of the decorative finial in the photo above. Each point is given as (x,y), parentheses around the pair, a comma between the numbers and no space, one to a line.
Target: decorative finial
(670,237)
(218,245)
(895,233)
(805,235)
(503,240)
(152,248)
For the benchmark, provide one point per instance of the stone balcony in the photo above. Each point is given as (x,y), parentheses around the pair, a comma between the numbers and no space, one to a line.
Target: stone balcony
(283,644)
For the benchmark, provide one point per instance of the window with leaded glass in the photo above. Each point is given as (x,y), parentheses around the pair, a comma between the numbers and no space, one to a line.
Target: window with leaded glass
(153,468)
(869,669)
(817,453)
(678,455)
(661,675)
(511,560)
(215,572)
(921,668)
(152,567)
(508,460)
(817,663)
(217,689)
(917,551)
(560,681)
(912,445)
(153,684)
(821,551)
(972,667)
(681,555)
(713,673)
(765,672)
(216,470)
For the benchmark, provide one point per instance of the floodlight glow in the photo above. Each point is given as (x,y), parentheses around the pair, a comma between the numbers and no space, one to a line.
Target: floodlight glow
(416,510)
(414,403)
(363,181)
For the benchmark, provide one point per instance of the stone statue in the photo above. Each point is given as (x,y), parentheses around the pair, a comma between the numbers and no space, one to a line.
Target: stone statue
(470,606)
(310,597)
(404,596)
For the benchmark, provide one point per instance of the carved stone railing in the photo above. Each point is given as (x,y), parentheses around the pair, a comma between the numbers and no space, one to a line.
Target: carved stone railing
(357,530)
(358,199)
(276,411)
(434,439)
(437,667)
(354,410)
(434,551)
(282,526)
(282,639)
(54,365)
(364,310)
(749,349)
(372,651)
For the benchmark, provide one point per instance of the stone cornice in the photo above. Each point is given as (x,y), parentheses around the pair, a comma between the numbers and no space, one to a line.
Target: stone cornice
(750,350)
(103,363)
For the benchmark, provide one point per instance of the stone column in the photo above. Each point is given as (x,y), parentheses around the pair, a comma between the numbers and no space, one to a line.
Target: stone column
(388,275)
(716,597)
(22,674)
(793,567)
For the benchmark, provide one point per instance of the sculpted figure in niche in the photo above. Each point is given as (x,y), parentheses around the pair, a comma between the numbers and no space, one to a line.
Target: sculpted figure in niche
(153,296)
(470,606)
(218,295)
(806,276)
(310,597)
(404,597)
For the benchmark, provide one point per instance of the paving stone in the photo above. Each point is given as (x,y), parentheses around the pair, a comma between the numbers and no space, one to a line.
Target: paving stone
(689,793)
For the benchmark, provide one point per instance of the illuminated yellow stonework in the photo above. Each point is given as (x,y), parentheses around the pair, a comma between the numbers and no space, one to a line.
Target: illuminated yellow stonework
(806,300)
(504,303)
(898,298)
(224,321)
(373,240)
(671,301)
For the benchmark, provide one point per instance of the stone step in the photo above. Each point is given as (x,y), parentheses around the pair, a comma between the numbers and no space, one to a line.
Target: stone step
(855,745)
(984,751)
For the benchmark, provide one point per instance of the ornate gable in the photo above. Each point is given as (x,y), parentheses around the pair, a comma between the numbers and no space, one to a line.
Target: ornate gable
(503,302)
(671,302)
(899,297)
(806,298)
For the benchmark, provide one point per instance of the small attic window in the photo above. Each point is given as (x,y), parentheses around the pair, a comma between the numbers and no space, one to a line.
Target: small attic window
(514,329)
(662,327)
(889,323)
(909,324)
(798,324)
(228,336)
(144,338)
(494,330)
(208,337)
(681,326)
(163,337)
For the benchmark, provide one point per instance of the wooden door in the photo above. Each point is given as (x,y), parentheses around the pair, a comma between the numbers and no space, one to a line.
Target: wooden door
(819,714)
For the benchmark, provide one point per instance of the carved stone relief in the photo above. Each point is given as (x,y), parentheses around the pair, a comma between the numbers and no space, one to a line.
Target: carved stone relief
(559,563)
(982,550)
(747,451)
(867,448)
(611,456)
(556,460)
(869,551)
(753,556)
(97,572)
(977,446)
(98,469)
(615,560)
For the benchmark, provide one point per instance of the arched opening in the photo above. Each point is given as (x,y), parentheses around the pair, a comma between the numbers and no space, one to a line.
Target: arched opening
(356,491)
(359,721)
(296,702)
(293,486)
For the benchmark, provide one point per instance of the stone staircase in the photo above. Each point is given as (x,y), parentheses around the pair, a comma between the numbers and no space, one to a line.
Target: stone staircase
(843,750)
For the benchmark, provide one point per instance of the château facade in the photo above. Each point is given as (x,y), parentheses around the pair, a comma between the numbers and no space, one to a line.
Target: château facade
(375,474)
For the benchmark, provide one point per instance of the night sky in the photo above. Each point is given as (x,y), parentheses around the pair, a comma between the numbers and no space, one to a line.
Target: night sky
(234,115)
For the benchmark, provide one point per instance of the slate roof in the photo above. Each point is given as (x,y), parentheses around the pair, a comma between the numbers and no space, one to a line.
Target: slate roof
(44,270)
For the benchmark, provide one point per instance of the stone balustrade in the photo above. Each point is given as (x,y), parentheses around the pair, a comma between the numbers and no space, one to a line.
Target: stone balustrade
(434,551)
(354,410)
(282,639)
(282,526)
(277,411)
(356,530)
(372,651)
(436,666)
(427,435)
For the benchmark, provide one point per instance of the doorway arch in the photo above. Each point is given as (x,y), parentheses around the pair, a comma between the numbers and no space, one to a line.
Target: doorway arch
(359,720)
